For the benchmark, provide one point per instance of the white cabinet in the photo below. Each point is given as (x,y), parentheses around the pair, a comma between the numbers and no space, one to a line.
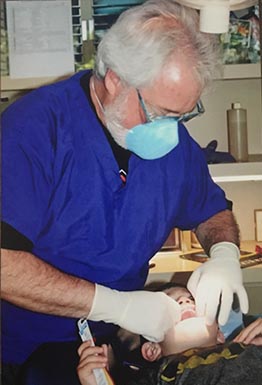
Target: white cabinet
(242,182)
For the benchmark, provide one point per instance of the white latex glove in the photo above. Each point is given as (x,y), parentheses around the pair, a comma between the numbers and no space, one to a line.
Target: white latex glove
(215,282)
(150,314)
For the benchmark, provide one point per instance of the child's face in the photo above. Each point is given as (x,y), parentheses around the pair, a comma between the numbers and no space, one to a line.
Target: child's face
(190,332)
(185,299)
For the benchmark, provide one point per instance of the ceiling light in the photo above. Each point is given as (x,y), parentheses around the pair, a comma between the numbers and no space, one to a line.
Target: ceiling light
(214,14)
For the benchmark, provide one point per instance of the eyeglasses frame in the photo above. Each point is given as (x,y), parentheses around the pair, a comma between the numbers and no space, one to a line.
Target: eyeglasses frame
(183,118)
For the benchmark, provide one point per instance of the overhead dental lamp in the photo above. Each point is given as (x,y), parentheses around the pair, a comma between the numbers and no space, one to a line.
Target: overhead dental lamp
(214,14)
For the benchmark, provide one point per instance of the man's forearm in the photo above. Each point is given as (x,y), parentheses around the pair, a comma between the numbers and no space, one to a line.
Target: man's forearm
(29,282)
(222,227)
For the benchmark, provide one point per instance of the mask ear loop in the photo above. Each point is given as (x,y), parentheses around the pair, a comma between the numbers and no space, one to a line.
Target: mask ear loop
(95,94)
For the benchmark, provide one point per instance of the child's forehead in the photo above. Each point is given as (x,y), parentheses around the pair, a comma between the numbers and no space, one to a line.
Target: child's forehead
(177,292)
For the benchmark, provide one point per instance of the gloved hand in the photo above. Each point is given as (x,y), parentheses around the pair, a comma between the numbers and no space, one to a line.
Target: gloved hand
(216,281)
(150,314)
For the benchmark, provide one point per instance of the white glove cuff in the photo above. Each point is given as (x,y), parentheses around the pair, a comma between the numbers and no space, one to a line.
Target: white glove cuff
(222,249)
(105,300)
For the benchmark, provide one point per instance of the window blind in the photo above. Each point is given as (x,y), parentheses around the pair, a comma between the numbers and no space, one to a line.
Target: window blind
(106,12)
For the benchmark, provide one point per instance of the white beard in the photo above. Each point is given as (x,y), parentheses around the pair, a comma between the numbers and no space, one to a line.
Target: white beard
(113,115)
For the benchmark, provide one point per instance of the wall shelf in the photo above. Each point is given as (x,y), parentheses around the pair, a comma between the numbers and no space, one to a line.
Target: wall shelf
(237,172)
(241,71)
(11,84)
(232,71)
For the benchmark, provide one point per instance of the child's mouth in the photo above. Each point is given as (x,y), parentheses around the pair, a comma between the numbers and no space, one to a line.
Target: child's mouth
(188,313)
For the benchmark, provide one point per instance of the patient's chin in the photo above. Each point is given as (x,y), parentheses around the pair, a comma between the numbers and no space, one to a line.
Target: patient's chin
(189,333)
(191,319)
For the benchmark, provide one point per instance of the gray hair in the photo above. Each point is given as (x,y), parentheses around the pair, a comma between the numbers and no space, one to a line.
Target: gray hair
(144,37)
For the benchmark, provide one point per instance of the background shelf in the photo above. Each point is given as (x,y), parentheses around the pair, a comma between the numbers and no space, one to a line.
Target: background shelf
(231,71)
(240,71)
(237,172)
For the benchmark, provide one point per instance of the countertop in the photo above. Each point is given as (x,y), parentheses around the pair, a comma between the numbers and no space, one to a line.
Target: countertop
(171,262)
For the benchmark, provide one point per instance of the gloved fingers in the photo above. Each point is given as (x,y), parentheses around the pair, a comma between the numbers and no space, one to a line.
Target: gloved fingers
(171,316)
(201,300)
(212,296)
(207,300)
(243,299)
(194,280)
(225,305)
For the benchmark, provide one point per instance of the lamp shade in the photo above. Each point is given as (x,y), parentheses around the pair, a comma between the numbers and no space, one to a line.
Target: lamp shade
(214,14)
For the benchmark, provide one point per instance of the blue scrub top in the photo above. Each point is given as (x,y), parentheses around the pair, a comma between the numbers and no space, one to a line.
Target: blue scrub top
(62,190)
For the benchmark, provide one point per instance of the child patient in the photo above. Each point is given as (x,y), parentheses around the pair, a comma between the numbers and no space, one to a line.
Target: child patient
(190,332)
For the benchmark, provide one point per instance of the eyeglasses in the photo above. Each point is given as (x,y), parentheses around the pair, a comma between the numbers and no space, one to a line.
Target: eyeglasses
(197,111)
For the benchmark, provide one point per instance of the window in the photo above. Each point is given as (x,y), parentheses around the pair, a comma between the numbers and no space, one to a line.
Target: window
(106,12)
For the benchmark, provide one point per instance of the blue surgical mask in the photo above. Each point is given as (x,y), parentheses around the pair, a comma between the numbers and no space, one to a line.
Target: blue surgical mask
(158,136)
(154,139)
(235,320)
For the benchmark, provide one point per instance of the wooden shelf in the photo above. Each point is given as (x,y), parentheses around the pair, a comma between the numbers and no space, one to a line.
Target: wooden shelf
(11,84)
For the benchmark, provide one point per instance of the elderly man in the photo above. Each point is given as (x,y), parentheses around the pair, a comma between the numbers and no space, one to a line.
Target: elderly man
(97,170)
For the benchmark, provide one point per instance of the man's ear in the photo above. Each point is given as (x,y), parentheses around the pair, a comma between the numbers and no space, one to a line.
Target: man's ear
(112,82)
(151,351)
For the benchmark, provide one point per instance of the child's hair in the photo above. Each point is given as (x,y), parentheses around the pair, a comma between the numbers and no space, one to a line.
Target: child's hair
(169,285)
(163,286)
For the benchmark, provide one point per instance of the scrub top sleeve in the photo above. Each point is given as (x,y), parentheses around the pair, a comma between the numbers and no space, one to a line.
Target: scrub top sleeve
(13,240)
(26,166)
(202,197)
